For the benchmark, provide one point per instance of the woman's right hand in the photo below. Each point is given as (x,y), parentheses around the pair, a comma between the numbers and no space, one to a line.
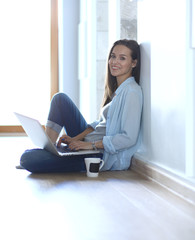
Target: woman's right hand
(64,139)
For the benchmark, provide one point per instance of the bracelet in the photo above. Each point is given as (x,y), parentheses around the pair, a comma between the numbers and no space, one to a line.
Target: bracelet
(94,146)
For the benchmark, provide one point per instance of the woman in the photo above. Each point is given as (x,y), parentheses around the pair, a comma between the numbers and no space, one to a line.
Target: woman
(115,134)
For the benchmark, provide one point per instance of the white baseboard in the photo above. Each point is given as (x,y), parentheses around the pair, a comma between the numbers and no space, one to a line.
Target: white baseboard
(170,181)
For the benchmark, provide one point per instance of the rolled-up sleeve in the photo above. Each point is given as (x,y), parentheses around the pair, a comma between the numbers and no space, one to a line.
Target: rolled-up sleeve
(93,124)
(108,146)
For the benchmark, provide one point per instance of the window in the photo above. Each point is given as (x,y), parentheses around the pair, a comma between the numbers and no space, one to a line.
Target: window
(28,59)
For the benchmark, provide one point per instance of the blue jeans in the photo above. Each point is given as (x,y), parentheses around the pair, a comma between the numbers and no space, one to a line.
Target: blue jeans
(63,113)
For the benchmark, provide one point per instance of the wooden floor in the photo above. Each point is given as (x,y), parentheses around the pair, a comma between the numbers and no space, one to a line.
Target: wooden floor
(115,206)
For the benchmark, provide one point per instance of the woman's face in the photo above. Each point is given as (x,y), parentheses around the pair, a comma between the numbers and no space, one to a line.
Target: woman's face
(121,63)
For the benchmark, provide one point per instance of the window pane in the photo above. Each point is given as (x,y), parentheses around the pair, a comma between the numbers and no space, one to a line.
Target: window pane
(128,21)
(24,59)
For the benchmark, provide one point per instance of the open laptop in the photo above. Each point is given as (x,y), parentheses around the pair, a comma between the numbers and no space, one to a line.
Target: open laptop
(39,137)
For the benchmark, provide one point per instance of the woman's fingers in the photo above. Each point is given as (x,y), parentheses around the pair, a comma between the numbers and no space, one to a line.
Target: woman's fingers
(78,145)
(64,139)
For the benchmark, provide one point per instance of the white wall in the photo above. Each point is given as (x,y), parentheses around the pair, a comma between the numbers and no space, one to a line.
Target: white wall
(68,48)
(167,80)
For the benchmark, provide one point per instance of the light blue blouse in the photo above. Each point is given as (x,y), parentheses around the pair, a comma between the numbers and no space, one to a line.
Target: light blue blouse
(121,128)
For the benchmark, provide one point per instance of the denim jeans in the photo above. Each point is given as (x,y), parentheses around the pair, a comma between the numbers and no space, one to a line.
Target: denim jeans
(63,113)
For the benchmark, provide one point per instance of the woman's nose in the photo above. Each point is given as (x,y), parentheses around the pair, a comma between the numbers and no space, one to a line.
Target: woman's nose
(115,60)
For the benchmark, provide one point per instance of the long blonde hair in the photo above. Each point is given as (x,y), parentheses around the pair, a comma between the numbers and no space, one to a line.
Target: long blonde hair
(110,81)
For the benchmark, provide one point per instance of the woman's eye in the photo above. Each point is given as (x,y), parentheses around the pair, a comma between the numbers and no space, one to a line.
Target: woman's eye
(120,58)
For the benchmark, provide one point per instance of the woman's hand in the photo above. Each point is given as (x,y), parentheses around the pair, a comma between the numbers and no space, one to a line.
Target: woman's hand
(78,145)
(67,140)
(74,144)
(64,139)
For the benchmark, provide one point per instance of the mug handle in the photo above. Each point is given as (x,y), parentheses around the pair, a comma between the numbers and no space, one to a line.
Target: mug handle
(102,164)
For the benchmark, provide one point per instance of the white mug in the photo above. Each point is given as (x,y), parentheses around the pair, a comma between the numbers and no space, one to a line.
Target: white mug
(93,165)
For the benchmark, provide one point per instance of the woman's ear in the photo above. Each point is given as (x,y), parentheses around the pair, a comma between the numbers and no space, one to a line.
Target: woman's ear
(134,63)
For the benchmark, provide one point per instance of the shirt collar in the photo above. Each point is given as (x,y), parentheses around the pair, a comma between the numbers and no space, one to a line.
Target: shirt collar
(124,84)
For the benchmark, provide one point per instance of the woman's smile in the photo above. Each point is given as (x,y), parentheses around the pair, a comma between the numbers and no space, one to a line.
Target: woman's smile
(114,67)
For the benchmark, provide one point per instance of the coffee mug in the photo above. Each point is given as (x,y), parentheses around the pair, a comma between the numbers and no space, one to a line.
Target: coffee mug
(93,165)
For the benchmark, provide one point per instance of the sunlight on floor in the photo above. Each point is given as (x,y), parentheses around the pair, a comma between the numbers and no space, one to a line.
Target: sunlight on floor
(12,148)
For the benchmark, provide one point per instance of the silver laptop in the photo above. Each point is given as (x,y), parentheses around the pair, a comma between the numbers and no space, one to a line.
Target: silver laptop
(39,137)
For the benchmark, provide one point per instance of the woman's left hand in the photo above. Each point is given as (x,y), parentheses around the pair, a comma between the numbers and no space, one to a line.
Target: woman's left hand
(78,145)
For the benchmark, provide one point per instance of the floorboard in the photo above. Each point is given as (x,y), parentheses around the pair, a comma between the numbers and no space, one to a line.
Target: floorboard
(115,206)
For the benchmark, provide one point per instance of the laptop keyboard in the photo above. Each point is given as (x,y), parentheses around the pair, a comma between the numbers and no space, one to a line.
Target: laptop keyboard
(64,149)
